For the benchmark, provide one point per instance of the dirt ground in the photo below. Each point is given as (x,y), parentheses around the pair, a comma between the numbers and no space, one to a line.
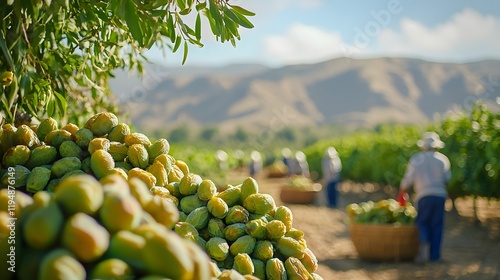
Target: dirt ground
(470,250)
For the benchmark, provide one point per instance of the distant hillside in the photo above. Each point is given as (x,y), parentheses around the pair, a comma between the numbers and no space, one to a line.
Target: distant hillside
(345,91)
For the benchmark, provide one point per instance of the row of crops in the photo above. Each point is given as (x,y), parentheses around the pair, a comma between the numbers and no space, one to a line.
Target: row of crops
(472,145)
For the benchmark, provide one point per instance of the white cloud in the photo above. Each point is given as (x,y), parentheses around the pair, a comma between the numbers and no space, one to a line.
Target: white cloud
(304,44)
(466,35)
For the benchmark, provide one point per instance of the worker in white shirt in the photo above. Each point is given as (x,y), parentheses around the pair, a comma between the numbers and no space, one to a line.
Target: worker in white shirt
(428,172)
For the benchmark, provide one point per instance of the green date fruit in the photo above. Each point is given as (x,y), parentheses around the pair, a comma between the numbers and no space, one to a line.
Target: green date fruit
(163,211)
(217,248)
(120,212)
(275,229)
(264,250)
(16,177)
(138,156)
(243,264)
(57,137)
(25,136)
(70,149)
(189,184)
(207,190)
(86,188)
(83,137)
(64,165)
(217,207)
(295,270)
(259,268)
(38,179)
(259,203)
(161,146)
(275,269)
(137,138)
(231,196)
(257,228)
(60,264)
(46,126)
(128,246)
(42,226)
(248,187)
(101,163)
(237,214)
(244,244)
(112,269)
(234,231)
(17,155)
(285,215)
(119,132)
(216,228)
(102,123)
(187,231)
(97,144)
(190,203)
(309,261)
(199,217)
(85,237)
(290,247)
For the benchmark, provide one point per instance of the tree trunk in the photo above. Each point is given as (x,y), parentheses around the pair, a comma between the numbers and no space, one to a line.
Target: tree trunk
(475,217)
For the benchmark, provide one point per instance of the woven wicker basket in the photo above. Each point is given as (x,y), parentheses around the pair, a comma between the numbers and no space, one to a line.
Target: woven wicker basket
(379,242)
(294,196)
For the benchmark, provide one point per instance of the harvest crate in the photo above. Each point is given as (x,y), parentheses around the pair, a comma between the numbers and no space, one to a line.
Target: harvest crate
(384,242)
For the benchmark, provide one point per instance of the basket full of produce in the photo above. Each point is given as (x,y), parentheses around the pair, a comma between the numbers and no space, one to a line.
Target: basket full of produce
(383,230)
(300,190)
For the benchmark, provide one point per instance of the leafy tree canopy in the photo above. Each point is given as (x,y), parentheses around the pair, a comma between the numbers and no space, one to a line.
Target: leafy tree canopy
(56,56)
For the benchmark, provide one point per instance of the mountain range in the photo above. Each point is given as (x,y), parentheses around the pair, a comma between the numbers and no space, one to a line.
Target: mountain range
(359,92)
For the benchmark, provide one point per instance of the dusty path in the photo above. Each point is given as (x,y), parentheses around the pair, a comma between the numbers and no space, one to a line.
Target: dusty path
(469,251)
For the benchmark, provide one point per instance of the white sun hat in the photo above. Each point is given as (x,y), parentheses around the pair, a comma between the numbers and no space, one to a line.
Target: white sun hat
(430,140)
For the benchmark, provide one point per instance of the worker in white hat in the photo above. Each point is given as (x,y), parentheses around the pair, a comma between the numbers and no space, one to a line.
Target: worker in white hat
(428,172)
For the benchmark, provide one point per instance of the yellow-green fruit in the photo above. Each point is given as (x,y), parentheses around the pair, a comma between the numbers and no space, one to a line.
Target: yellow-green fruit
(165,247)
(173,188)
(71,128)
(79,193)
(217,248)
(275,229)
(25,136)
(166,160)
(137,138)
(203,269)
(163,211)
(248,187)
(128,247)
(7,137)
(119,132)
(234,231)
(237,214)
(114,184)
(64,165)
(257,228)
(38,179)
(115,269)
(51,186)
(290,247)
(182,166)
(189,184)
(120,172)
(159,147)
(191,202)
(17,155)
(42,227)
(263,251)
(199,217)
(125,166)
(85,237)
(187,231)
(259,268)
(231,196)
(140,191)
(118,151)
(230,274)
(175,174)
(60,264)
(56,137)
(295,270)
(216,228)
(284,214)
(16,176)
(120,212)
(228,262)
(101,163)
(97,144)
(45,127)
(296,234)
(259,203)
(21,200)
(83,137)
(70,149)
(86,166)
(207,189)
(217,207)
(275,269)
(160,173)
(102,123)
(145,176)
(243,264)
(6,78)
(309,261)
(137,155)
(244,244)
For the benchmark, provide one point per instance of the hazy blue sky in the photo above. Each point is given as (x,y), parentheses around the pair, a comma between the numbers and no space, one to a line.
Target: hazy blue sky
(308,31)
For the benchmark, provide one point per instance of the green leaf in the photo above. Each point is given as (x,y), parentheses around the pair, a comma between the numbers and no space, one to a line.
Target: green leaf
(185,11)
(201,6)
(214,12)
(197,27)
(133,21)
(243,21)
(242,11)
(61,102)
(6,53)
(185,52)
(177,43)
(181,4)
(171,27)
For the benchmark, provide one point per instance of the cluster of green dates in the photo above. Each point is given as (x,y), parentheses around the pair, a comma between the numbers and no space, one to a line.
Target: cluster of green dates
(386,211)
(102,202)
